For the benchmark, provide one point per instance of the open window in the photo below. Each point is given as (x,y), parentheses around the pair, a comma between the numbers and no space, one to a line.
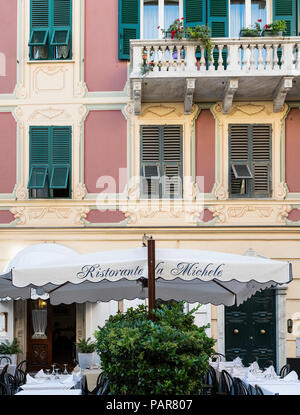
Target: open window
(61,42)
(59,177)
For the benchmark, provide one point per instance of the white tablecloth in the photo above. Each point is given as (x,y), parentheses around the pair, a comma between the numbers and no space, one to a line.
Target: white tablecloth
(44,384)
(72,392)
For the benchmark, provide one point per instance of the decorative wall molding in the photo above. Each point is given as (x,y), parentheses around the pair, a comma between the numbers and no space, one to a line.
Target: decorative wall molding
(80,191)
(50,113)
(21,193)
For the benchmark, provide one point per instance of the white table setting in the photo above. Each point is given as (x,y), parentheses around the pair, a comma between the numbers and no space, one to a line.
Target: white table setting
(267,380)
(51,384)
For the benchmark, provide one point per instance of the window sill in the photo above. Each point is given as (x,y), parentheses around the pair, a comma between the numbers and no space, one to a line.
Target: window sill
(51,61)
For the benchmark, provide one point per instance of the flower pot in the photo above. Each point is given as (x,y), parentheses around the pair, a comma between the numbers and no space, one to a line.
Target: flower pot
(85,359)
(270,32)
(248,34)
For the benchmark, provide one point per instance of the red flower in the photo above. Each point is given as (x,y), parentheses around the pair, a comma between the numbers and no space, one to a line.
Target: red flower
(158,27)
(178,20)
(259,20)
(151,63)
(173,34)
(266,26)
(182,18)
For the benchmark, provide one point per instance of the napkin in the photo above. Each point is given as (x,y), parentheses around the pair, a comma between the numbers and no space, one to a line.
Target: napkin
(30,379)
(254,367)
(40,374)
(238,361)
(291,377)
(68,379)
(270,371)
(249,377)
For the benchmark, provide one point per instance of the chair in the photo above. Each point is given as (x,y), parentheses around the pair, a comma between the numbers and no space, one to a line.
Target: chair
(3,373)
(10,383)
(3,389)
(239,387)
(104,389)
(84,386)
(258,390)
(218,357)
(226,383)
(285,370)
(23,366)
(7,359)
(251,390)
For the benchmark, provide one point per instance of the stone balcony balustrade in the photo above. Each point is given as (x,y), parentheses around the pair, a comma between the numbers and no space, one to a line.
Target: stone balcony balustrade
(263,68)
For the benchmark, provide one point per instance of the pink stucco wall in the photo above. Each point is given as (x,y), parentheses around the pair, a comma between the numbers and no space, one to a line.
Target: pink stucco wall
(8,46)
(292,150)
(103,70)
(6,217)
(108,216)
(294,215)
(8,138)
(105,149)
(205,149)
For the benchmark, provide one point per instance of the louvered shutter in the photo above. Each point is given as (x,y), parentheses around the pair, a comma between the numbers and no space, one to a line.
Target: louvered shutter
(217,17)
(40,14)
(286,10)
(39,160)
(172,161)
(250,145)
(129,25)
(194,12)
(62,23)
(150,157)
(261,159)
(239,153)
(61,157)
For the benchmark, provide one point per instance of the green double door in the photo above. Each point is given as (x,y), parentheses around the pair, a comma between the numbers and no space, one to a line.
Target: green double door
(250,329)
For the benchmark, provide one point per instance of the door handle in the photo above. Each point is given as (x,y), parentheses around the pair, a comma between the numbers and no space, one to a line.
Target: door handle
(251,337)
(263,331)
(236,331)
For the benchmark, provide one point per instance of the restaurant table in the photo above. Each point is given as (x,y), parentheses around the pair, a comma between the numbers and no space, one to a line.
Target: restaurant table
(45,384)
(67,392)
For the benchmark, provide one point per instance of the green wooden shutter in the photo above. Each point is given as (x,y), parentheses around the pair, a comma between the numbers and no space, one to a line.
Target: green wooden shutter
(261,159)
(39,14)
(39,27)
(217,17)
(129,25)
(39,157)
(150,161)
(238,154)
(217,20)
(61,157)
(286,10)
(194,12)
(172,161)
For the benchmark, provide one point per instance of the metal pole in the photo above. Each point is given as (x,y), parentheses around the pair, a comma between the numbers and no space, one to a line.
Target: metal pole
(151,277)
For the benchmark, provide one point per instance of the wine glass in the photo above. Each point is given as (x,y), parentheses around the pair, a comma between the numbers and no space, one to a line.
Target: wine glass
(56,374)
(48,374)
(65,371)
(53,369)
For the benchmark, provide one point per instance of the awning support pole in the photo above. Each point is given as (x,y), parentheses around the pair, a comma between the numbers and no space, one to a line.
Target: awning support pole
(151,277)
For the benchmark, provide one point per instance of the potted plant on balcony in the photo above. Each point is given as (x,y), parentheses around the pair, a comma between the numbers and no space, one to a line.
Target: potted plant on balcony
(253,31)
(202,34)
(86,350)
(274,29)
(11,350)
(175,30)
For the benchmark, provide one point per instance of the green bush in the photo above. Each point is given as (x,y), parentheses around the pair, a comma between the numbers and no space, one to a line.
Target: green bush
(167,356)
(86,346)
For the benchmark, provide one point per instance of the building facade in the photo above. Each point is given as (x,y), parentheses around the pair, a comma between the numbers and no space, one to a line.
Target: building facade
(109,131)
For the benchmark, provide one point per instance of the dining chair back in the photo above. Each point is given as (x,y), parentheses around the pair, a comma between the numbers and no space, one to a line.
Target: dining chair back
(3,389)
(10,382)
(3,373)
(258,390)
(226,383)
(285,370)
(251,390)
(218,357)
(5,359)
(239,387)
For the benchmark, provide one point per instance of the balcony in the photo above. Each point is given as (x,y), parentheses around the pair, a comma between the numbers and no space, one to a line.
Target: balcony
(244,69)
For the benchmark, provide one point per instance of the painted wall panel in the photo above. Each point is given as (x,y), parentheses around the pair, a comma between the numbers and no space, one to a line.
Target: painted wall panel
(107,216)
(105,150)
(8,156)
(8,46)
(103,70)
(205,148)
(292,150)
(6,216)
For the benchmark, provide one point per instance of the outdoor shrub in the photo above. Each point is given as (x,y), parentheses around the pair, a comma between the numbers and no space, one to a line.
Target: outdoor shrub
(86,346)
(7,348)
(167,356)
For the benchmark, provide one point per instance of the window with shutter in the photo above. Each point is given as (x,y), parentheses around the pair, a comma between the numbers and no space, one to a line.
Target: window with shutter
(161,161)
(286,10)
(250,160)
(129,25)
(51,29)
(50,162)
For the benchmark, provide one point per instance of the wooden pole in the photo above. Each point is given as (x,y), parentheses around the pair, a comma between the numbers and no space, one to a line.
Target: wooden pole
(151,277)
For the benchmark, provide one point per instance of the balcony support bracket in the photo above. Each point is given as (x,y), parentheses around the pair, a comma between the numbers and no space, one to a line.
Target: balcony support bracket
(230,89)
(189,95)
(281,91)
(137,97)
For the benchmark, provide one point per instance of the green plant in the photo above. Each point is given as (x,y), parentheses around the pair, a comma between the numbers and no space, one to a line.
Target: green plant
(201,33)
(10,348)
(176,29)
(86,346)
(277,26)
(253,31)
(167,356)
